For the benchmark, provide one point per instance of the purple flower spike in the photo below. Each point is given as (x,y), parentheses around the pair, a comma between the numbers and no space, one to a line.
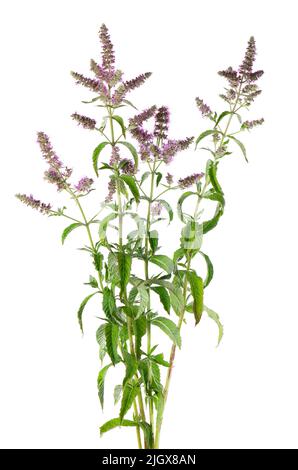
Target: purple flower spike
(84,185)
(84,121)
(184,183)
(34,203)
(162,120)
(108,56)
(111,189)
(203,108)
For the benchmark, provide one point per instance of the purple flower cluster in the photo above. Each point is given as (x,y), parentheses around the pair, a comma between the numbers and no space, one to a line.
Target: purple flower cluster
(164,149)
(115,156)
(107,76)
(84,184)
(252,124)
(84,121)
(169,178)
(203,108)
(111,190)
(127,166)
(57,173)
(242,82)
(156,209)
(184,183)
(34,203)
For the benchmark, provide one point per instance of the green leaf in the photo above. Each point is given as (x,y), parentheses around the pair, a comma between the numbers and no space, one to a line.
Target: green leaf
(212,170)
(214,196)
(205,134)
(144,177)
(69,229)
(112,336)
(163,262)
(139,327)
(113,271)
(211,224)
(160,360)
(132,150)
(129,180)
(129,104)
(158,178)
(148,434)
(131,367)
(153,240)
(180,202)
(120,121)
(192,235)
(167,207)
(117,393)
(210,269)
(175,294)
(224,114)
(130,391)
(101,383)
(124,265)
(164,297)
(96,153)
(93,282)
(215,317)
(197,291)
(240,144)
(114,423)
(109,305)
(102,229)
(169,328)
(101,339)
(82,307)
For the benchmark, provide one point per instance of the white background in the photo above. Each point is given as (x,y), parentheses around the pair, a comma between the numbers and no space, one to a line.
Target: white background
(240,395)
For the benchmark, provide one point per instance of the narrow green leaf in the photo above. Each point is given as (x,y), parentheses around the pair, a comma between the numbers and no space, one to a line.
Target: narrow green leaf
(158,178)
(215,317)
(115,423)
(139,327)
(153,240)
(210,269)
(180,202)
(164,297)
(211,224)
(120,121)
(112,336)
(224,114)
(69,229)
(144,177)
(132,150)
(101,383)
(160,360)
(124,265)
(167,207)
(109,305)
(212,173)
(117,393)
(148,434)
(129,393)
(82,307)
(96,153)
(197,291)
(129,180)
(205,134)
(240,144)
(101,339)
(102,229)
(163,262)
(131,367)
(129,103)
(169,328)
(214,196)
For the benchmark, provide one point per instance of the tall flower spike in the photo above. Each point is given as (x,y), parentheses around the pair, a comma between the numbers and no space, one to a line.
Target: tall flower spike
(34,203)
(90,83)
(249,58)
(138,119)
(162,119)
(189,180)
(108,56)
(84,121)
(203,108)
(84,185)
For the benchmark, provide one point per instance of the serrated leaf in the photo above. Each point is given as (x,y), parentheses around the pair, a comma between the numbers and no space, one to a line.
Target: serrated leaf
(96,153)
(109,304)
(210,269)
(101,339)
(163,262)
(102,228)
(129,180)
(120,121)
(240,144)
(163,297)
(81,309)
(130,392)
(131,365)
(113,271)
(197,291)
(169,328)
(132,150)
(160,360)
(124,266)
(114,423)
(68,230)
(139,327)
(112,336)
(117,393)
(101,383)
(143,295)
(215,317)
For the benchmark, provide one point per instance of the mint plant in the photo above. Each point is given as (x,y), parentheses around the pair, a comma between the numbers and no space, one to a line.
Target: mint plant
(140,288)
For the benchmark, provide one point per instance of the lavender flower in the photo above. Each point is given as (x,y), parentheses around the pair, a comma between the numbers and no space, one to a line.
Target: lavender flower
(108,56)
(92,84)
(127,166)
(127,86)
(162,119)
(172,147)
(231,75)
(138,119)
(84,185)
(111,189)
(249,58)
(144,152)
(189,180)
(204,108)
(141,135)
(169,178)
(156,209)
(47,150)
(115,157)
(252,124)
(84,121)
(34,203)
